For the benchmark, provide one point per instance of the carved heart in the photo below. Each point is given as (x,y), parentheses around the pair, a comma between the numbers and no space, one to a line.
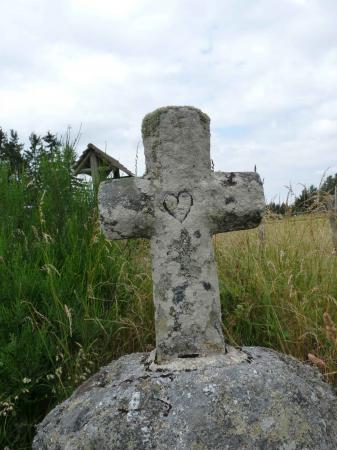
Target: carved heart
(178,205)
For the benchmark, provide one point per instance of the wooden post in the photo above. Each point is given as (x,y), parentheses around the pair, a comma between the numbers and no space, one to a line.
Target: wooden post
(94,169)
(333,221)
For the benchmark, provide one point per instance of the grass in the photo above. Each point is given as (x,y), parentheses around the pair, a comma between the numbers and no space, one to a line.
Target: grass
(281,290)
(70,301)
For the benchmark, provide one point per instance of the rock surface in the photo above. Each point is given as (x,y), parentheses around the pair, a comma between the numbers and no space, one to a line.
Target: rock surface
(253,399)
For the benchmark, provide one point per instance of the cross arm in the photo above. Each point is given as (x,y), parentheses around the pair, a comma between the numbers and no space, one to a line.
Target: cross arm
(237,201)
(126,208)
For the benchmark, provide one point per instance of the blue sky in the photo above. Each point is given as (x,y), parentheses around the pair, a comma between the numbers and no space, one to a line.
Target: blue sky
(265,71)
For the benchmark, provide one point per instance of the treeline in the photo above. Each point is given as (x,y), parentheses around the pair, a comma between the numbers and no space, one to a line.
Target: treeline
(42,172)
(313,198)
(23,161)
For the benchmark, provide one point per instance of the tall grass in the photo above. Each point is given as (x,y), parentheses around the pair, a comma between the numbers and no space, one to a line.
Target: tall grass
(71,301)
(281,290)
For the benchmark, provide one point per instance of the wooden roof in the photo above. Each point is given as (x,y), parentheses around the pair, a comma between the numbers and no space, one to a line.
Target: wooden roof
(82,165)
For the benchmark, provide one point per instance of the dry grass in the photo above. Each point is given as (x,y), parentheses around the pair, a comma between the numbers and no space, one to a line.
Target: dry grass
(279,288)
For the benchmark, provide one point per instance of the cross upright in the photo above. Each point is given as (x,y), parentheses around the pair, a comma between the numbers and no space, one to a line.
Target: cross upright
(179,204)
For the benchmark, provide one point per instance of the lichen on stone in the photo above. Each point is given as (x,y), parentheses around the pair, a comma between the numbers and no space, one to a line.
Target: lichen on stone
(250,399)
(151,121)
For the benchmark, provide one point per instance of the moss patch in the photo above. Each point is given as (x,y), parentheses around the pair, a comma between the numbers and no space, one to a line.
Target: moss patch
(151,121)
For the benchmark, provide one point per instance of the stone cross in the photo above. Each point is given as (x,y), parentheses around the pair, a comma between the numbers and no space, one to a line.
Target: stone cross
(179,204)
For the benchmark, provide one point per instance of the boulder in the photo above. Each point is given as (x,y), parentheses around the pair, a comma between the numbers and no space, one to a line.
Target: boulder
(255,398)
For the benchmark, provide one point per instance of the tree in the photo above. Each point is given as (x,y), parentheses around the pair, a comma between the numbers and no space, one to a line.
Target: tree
(305,201)
(3,143)
(52,144)
(11,152)
(278,208)
(329,184)
(33,155)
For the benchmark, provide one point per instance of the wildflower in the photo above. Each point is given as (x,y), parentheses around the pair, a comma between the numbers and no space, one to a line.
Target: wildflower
(26,380)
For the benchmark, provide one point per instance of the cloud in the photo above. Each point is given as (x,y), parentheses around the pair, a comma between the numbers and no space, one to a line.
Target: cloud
(265,72)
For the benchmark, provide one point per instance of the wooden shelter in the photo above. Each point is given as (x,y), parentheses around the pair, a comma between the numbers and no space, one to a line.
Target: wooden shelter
(98,165)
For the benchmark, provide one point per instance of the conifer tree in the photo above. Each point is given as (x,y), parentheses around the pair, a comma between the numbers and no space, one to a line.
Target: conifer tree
(52,145)
(11,152)
(3,143)
(329,184)
(33,155)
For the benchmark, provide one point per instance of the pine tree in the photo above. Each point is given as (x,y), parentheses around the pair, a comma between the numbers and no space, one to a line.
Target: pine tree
(306,199)
(52,145)
(11,152)
(3,143)
(33,155)
(329,184)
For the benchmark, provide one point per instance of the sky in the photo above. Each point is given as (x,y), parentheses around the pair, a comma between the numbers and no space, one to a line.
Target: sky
(265,71)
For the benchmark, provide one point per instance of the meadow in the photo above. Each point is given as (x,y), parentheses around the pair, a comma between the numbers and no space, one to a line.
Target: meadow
(70,301)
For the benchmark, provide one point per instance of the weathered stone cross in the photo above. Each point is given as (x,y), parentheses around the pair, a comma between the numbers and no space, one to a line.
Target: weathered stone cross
(179,204)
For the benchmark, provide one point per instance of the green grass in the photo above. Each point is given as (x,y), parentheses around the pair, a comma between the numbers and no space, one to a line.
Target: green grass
(71,301)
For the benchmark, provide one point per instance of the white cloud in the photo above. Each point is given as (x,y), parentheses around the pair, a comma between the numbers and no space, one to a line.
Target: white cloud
(104,8)
(265,72)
